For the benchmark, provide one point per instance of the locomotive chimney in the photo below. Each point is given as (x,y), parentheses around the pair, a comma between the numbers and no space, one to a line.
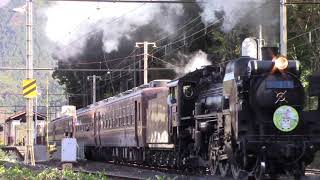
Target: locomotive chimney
(249,48)
(269,53)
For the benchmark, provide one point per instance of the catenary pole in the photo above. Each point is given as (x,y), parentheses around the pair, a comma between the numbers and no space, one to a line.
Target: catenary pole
(145,58)
(29,155)
(94,82)
(283,28)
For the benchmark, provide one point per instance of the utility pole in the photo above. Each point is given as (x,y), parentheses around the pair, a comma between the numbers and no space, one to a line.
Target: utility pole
(47,109)
(283,27)
(94,77)
(145,58)
(29,155)
(36,120)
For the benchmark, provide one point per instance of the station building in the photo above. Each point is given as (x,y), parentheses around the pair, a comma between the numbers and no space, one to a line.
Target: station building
(14,129)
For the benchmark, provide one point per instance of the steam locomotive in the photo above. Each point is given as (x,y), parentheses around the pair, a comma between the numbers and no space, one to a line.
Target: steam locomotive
(244,117)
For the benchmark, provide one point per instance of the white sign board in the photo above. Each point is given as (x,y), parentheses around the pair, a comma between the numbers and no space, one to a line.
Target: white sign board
(68,110)
(69,150)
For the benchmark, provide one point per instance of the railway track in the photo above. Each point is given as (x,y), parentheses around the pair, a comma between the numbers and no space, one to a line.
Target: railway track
(120,171)
(134,172)
(149,172)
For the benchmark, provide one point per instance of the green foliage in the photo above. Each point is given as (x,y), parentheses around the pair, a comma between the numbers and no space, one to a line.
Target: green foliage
(10,157)
(303,19)
(17,172)
(49,174)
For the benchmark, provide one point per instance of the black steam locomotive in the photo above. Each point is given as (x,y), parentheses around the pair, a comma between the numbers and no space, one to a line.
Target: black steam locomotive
(244,117)
(247,117)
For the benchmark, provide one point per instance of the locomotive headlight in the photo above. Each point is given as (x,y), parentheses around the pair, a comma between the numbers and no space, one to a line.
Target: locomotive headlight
(281,63)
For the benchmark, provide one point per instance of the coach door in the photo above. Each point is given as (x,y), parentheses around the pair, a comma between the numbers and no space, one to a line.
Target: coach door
(96,127)
(172,108)
(136,114)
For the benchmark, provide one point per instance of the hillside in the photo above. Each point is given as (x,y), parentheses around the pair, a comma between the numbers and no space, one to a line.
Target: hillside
(12,54)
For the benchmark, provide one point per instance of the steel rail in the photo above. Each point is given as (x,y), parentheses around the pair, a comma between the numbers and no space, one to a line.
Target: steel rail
(84,70)
(142,1)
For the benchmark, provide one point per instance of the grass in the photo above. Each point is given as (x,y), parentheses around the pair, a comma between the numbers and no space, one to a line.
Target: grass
(18,172)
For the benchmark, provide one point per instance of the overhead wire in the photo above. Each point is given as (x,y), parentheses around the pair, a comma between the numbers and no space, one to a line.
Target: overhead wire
(97,29)
(187,37)
(164,61)
(106,60)
(315,29)
(180,28)
(181,35)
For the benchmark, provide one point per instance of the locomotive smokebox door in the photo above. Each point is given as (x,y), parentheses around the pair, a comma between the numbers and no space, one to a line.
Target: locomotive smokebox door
(69,150)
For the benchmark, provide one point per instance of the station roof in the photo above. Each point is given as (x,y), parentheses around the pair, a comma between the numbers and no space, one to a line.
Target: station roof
(22,116)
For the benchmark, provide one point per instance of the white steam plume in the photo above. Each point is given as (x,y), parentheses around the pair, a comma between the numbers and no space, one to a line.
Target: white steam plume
(197,60)
(191,62)
(234,11)
(4,3)
(69,23)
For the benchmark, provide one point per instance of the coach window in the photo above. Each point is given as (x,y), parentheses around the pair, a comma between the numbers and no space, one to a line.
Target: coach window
(114,119)
(139,112)
(111,121)
(104,120)
(117,118)
(127,114)
(124,116)
(121,117)
(132,114)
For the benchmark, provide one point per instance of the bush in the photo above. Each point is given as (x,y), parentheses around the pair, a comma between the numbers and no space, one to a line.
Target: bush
(11,157)
(18,172)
